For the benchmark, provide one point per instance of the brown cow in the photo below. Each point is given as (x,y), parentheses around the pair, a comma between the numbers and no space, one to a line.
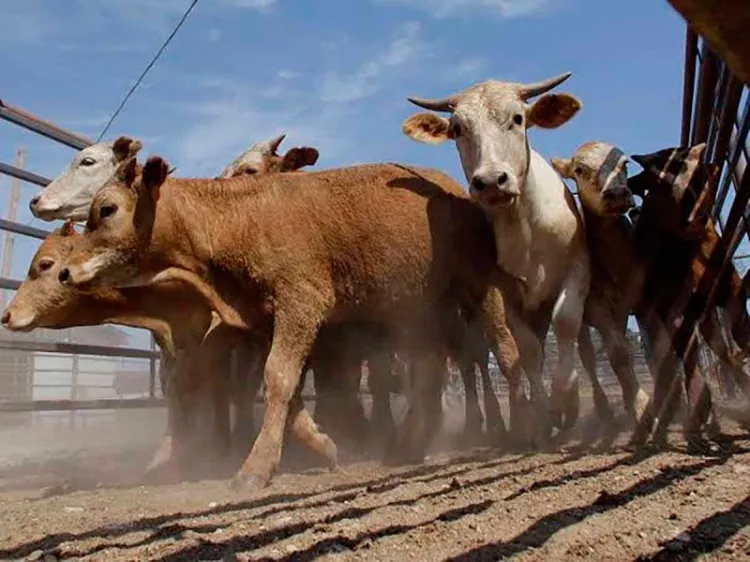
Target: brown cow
(679,191)
(599,171)
(263,158)
(175,315)
(670,221)
(381,243)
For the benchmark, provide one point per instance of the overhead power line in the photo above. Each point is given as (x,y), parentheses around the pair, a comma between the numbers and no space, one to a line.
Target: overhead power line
(148,67)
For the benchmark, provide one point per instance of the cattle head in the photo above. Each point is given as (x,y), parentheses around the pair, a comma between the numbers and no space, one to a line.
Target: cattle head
(263,158)
(489,123)
(600,172)
(69,196)
(119,223)
(41,301)
(678,189)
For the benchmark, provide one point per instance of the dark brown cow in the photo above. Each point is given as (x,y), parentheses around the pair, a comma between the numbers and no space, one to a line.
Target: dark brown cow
(675,230)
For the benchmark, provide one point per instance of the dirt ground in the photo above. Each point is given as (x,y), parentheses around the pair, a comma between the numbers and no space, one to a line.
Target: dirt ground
(574,504)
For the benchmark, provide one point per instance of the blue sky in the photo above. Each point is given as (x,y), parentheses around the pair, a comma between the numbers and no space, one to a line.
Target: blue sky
(330,74)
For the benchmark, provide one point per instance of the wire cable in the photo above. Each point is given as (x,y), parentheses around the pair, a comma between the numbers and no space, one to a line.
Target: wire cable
(145,71)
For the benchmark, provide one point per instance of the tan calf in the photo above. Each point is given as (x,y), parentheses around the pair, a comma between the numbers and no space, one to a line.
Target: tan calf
(381,243)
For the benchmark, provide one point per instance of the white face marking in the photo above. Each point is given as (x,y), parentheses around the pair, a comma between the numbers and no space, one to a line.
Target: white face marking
(600,172)
(69,196)
(491,145)
(21,322)
(254,158)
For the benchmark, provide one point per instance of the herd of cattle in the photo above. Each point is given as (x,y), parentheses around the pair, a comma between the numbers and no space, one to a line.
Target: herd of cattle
(278,271)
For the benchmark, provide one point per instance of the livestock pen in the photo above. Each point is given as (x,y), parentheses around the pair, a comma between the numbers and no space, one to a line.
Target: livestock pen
(81,411)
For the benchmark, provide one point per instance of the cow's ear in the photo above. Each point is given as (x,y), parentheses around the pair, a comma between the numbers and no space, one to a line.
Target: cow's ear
(154,174)
(427,127)
(299,157)
(68,228)
(562,166)
(125,147)
(552,110)
(126,171)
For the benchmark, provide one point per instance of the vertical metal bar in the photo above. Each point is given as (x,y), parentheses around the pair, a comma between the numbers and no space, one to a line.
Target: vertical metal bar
(15,193)
(688,89)
(152,371)
(73,389)
(704,105)
(735,142)
(716,111)
(727,116)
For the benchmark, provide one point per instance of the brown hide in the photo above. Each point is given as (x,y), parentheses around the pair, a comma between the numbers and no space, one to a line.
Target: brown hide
(673,290)
(368,243)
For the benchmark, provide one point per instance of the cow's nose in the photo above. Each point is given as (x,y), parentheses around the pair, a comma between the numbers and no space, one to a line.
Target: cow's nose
(478,183)
(5,318)
(64,275)
(33,202)
(502,178)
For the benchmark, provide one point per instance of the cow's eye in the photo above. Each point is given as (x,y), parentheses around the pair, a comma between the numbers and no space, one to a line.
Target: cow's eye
(88,161)
(107,211)
(518,119)
(45,264)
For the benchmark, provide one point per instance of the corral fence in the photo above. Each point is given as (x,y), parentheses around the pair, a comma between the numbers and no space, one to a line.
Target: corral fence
(716,110)
(43,371)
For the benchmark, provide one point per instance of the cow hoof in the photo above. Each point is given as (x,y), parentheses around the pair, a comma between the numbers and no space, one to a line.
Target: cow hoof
(247,482)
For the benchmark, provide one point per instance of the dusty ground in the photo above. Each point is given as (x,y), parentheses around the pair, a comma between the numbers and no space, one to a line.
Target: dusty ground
(477,505)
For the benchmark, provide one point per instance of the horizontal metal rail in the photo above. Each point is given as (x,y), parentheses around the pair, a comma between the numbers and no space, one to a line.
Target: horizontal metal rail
(26,230)
(10,284)
(23,175)
(33,123)
(77,348)
(66,405)
(103,404)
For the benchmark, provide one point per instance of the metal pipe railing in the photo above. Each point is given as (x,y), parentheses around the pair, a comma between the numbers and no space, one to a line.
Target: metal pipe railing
(29,121)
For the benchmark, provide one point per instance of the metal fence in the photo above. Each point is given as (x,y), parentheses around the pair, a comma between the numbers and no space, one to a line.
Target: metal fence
(716,110)
(30,365)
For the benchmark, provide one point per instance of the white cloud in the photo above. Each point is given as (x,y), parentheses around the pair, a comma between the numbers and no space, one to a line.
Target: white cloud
(365,81)
(224,129)
(253,4)
(503,8)
(34,21)
(469,68)
(288,74)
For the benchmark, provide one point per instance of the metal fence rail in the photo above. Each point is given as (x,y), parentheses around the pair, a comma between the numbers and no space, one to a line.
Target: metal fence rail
(23,118)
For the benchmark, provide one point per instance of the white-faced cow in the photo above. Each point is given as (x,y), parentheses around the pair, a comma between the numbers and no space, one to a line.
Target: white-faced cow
(539,233)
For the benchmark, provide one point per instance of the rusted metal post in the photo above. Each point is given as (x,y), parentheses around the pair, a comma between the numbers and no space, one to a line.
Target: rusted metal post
(15,193)
(705,103)
(691,51)
(33,123)
(152,371)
